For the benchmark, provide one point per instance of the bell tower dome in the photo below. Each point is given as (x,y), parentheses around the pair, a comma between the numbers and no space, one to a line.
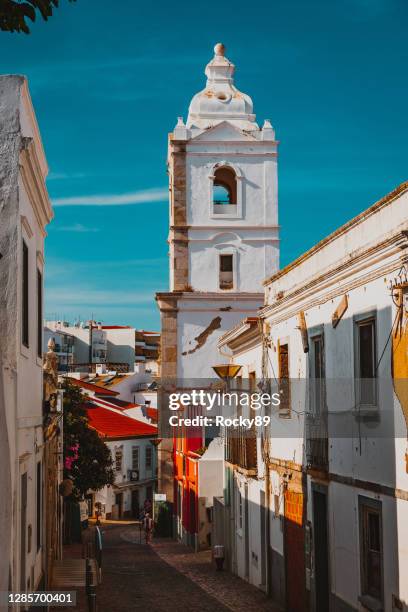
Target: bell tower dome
(220,99)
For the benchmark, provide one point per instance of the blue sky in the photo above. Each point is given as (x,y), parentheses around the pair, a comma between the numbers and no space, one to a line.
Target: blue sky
(108,81)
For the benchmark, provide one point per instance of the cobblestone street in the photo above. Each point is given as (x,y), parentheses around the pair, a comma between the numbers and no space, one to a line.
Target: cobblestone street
(166,576)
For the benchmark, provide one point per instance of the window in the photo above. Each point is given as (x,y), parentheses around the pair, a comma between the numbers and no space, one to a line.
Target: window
(39,505)
(276,511)
(135,457)
(39,314)
(284,382)
(226,272)
(366,360)
(224,191)
(118,460)
(149,457)
(371,548)
(317,374)
(24,302)
(317,435)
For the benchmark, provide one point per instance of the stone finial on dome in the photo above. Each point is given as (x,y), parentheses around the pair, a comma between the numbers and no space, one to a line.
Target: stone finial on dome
(221,100)
(219,49)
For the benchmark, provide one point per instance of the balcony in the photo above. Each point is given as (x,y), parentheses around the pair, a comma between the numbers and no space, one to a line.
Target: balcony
(317,453)
(90,368)
(317,456)
(226,280)
(240,448)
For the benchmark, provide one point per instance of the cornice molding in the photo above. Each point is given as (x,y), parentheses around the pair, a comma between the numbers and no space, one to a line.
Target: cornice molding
(33,181)
(383,202)
(339,280)
(25,223)
(233,143)
(230,154)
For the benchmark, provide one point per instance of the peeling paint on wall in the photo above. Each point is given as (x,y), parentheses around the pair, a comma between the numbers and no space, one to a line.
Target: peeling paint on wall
(201,339)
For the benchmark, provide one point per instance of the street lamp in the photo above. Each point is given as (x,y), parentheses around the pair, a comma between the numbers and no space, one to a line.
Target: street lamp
(226,371)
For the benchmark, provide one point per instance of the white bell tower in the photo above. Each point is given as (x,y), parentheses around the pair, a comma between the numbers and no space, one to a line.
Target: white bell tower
(224,234)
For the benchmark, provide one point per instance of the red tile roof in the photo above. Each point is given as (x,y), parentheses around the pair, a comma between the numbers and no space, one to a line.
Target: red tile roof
(90,387)
(122,404)
(112,424)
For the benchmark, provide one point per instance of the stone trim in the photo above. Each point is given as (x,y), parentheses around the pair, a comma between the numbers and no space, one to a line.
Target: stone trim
(168,340)
(178,237)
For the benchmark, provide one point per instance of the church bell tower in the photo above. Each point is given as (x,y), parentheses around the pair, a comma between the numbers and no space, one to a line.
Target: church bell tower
(224,234)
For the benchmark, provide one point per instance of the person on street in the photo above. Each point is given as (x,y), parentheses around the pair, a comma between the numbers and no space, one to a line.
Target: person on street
(148,527)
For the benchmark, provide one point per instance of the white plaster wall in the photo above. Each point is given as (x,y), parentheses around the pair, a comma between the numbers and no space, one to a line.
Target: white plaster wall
(29,390)
(259,206)
(21,375)
(211,472)
(193,318)
(253,235)
(121,346)
(254,488)
(345,551)
(374,228)
(253,259)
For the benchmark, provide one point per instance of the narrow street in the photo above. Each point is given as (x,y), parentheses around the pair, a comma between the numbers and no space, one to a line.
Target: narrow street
(166,576)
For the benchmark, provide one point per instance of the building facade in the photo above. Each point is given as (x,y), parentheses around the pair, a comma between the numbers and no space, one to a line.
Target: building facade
(132,445)
(331,480)
(25,210)
(224,239)
(64,347)
(119,348)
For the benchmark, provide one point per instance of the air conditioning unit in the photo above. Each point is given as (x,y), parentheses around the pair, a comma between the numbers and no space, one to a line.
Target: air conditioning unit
(133,475)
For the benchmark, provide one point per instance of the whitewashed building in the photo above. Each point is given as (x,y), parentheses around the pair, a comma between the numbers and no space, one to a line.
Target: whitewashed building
(25,210)
(64,347)
(332,475)
(132,445)
(109,345)
(224,240)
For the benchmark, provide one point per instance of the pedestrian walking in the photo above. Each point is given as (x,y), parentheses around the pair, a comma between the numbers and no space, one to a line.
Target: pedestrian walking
(148,527)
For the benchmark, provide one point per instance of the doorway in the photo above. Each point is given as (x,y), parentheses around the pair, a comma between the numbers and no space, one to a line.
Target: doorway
(321,548)
(119,503)
(23,531)
(295,566)
(135,503)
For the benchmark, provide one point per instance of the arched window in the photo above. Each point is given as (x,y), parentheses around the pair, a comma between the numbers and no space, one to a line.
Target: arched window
(224,190)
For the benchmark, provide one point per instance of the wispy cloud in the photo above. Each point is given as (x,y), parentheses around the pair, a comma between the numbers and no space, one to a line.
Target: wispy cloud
(78,228)
(61,176)
(119,199)
(153,269)
(63,297)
